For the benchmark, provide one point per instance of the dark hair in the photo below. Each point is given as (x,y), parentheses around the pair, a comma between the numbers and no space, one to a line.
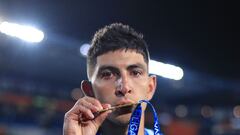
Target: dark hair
(116,37)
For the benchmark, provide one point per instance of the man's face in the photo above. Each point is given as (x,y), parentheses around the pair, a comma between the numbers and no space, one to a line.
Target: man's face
(121,77)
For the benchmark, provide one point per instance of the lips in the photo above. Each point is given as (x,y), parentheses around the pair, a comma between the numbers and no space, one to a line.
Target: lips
(125,101)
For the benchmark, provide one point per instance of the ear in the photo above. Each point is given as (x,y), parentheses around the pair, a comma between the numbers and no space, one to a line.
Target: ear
(151,86)
(86,87)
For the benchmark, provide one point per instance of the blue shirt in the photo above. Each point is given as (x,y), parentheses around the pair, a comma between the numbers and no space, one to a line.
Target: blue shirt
(146,132)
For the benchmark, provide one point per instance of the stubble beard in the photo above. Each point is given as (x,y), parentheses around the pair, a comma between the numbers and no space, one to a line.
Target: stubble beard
(120,120)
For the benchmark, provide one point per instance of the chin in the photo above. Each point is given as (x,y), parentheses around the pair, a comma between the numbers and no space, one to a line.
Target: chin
(120,119)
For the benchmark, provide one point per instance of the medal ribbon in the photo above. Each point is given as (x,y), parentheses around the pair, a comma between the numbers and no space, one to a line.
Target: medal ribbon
(136,118)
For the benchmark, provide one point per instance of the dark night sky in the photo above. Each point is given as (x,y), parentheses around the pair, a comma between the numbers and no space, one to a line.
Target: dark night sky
(202,36)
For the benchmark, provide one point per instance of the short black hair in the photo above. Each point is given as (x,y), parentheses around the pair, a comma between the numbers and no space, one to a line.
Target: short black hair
(114,37)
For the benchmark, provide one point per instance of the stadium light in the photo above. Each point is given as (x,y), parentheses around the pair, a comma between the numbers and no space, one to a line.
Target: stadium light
(84,49)
(26,33)
(165,70)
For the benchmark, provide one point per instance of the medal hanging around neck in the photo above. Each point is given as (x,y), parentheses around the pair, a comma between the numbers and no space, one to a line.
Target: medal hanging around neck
(136,118)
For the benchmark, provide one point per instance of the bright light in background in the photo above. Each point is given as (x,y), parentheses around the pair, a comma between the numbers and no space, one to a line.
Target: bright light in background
(155,67)
(84,49)
(181,111)
(165,70)
(165,118)
(236,111)
(26,33)
(207,111)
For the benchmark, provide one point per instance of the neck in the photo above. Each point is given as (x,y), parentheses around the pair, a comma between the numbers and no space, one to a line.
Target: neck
(108,128)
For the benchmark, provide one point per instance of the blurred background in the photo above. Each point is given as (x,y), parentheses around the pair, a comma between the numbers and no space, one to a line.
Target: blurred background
(39,81)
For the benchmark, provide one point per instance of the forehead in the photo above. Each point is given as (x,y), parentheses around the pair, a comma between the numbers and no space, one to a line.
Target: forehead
(120,58)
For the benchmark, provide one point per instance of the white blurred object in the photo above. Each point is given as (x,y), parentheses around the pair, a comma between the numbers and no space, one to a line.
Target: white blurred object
(181,111)
(165,70)
(236,111)
(26,33)
(84,49)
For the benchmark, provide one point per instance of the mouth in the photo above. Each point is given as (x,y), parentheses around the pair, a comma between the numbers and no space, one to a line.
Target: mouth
(124,102)
(124,107)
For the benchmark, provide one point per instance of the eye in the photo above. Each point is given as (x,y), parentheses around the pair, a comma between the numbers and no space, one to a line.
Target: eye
(106,75)
(136,73)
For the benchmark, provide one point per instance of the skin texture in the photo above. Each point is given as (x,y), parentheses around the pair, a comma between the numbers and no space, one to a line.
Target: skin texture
(119,77)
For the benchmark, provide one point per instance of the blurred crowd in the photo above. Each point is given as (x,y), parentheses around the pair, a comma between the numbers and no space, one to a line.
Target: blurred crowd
(37,108)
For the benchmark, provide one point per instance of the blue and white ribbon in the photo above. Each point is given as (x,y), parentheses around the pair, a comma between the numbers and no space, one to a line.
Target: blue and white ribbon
(136,118)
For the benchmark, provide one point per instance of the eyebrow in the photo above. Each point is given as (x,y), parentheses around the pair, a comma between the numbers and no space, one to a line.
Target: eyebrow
(138,65)
(112,68)
(104,67)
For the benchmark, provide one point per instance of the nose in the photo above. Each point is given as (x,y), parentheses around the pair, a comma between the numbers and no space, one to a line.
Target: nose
(122,86)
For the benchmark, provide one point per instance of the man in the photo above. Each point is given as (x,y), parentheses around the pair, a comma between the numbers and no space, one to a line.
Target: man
(117,68)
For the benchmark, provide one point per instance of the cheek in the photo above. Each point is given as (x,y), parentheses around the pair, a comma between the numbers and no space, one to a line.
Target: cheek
(141,88)
(103,90)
